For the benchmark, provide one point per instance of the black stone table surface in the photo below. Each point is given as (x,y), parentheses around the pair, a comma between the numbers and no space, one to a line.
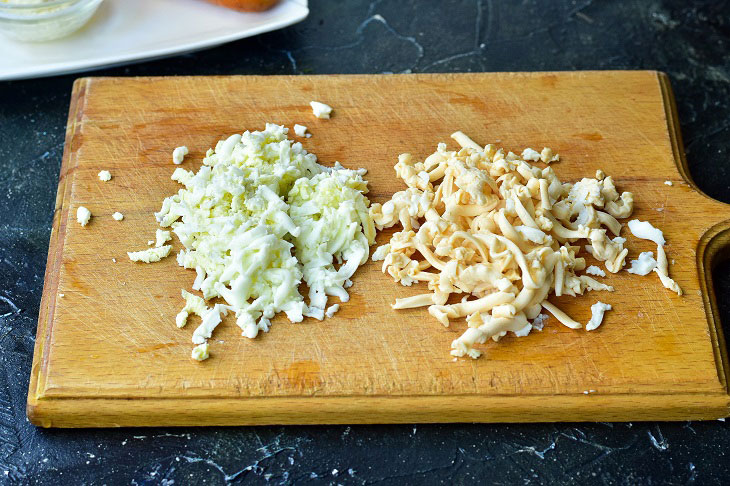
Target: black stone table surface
(688,40)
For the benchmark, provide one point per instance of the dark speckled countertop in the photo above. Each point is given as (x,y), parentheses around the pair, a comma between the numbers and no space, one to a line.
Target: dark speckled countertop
(688,40)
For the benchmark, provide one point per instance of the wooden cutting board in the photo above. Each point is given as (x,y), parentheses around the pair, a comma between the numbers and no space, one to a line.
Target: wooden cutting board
(108,352)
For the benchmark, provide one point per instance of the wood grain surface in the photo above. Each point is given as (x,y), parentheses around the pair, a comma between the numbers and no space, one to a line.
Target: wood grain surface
(108,352)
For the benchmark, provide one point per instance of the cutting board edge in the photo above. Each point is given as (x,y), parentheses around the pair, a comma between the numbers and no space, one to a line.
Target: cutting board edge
(66,413)
(55,246)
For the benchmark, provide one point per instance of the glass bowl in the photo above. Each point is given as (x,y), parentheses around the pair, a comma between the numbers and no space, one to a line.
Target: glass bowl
(44,20)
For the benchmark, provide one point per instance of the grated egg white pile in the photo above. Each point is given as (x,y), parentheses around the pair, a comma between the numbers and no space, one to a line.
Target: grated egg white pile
(259,217)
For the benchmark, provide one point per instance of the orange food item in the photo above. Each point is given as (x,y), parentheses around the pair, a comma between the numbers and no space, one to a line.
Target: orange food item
(247,5)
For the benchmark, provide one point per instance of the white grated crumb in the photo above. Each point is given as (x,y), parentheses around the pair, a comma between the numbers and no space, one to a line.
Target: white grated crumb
(594,270)
(83,216)
(320,110)
(179,154)
(300,130)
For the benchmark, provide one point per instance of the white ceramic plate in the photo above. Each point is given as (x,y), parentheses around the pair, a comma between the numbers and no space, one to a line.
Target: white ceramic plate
(122,31)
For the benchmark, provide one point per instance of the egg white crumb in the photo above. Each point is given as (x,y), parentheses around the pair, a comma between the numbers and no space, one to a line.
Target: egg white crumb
(118,216)
(201,352)
(105,176)
(150,255)
(331,310)
(83,215)
(179,154)
(320,110)
(300,130)
(161,237)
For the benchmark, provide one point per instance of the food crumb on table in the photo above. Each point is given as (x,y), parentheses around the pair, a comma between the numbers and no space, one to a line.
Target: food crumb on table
(320,110)
(83,215)
(179,154)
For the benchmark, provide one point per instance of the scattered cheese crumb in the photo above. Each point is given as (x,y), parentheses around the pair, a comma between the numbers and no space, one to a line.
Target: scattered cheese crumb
(594,270)
(547,156)
(150,242)
(597,311)
(118,216)
(662,269)
(331,310)
(114,260)
(179,154)
(200,352)
(105,175)
(668,183)
(530,154)
(644,230)
(83,216)
(381,252)
(300,130)
(150,255)
(644,265)
(320,110)
(161,237)
(61,295)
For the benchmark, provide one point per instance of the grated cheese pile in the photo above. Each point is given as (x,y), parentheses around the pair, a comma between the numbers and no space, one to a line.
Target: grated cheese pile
(505,233)
(258,218)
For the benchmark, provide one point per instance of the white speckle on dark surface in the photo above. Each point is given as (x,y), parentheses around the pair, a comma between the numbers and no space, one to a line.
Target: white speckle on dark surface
(659,442)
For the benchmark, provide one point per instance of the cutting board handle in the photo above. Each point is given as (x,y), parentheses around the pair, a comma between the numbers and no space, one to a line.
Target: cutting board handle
(714,245)
(713,249)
